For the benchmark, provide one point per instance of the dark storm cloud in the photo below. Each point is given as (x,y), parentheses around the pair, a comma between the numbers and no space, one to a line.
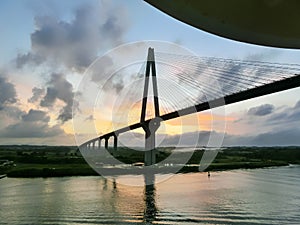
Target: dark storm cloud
(75,44)
(30,130)
(33,124)
(289,116)
(13,112)
(8,93)
(50,97)
(103,73)
(65,113)
(261,110)
(35,115)
(37,93)
(279,117)
(59,89)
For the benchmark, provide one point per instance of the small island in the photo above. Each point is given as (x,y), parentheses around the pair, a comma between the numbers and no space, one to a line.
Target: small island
(58,161)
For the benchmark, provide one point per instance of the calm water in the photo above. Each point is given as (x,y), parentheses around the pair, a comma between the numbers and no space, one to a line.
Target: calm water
(261,196)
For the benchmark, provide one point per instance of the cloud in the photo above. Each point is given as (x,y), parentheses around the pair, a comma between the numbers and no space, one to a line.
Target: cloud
(59,89)
(288,136)
(33,130)
(37,93)
(33,124)
(8,93)
(219,77)
(11,112)
(35,115)
(280,137)
(9,115)
(192,139)
(187,139)
(89,118)
(297,104)
(283,137)
(265,55)
(75,44)
(105,65)
(268,119)
(261,110)
(287,116)
(34,59)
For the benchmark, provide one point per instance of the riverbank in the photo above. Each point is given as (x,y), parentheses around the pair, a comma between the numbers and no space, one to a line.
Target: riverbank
(30,171)
(60,162)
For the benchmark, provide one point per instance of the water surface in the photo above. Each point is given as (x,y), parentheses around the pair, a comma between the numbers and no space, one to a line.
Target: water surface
(260,196)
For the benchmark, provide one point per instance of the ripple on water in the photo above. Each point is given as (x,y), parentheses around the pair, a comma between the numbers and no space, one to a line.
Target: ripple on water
(260,196)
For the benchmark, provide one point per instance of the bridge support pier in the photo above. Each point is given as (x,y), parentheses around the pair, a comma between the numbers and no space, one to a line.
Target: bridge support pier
(99,143)
(150,150)
(106,143)
(115,142)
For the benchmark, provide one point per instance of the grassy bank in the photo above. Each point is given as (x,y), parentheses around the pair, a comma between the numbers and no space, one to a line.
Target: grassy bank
(48,161)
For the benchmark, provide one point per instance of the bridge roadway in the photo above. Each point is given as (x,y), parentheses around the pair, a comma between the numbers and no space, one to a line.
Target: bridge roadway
(276,86)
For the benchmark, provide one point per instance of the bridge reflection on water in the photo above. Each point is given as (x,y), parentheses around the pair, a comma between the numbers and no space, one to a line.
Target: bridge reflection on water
(149,195)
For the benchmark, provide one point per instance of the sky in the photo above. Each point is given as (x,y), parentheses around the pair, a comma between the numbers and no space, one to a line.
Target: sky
(46,47)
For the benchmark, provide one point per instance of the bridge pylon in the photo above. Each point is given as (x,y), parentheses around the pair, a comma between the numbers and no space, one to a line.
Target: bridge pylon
(150,127)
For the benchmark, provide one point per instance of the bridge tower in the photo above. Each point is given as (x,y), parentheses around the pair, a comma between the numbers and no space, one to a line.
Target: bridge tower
(150,126)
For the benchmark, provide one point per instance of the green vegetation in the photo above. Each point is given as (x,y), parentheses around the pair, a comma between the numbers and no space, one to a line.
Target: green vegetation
(43,161)
(49,161)
(247,158)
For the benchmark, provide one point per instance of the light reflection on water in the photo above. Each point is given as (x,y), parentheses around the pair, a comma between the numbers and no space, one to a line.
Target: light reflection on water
(261,196)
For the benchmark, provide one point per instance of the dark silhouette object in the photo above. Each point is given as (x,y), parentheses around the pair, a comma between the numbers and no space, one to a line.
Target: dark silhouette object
(268,26)
(208,174)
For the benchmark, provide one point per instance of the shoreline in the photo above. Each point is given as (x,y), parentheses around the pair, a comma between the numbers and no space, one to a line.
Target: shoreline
(63,161)
(47,172)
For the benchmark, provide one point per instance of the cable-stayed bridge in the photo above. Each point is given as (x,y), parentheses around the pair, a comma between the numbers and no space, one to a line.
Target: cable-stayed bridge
(206,82)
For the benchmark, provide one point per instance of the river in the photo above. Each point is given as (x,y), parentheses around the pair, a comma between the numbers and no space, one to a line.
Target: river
(259,196)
